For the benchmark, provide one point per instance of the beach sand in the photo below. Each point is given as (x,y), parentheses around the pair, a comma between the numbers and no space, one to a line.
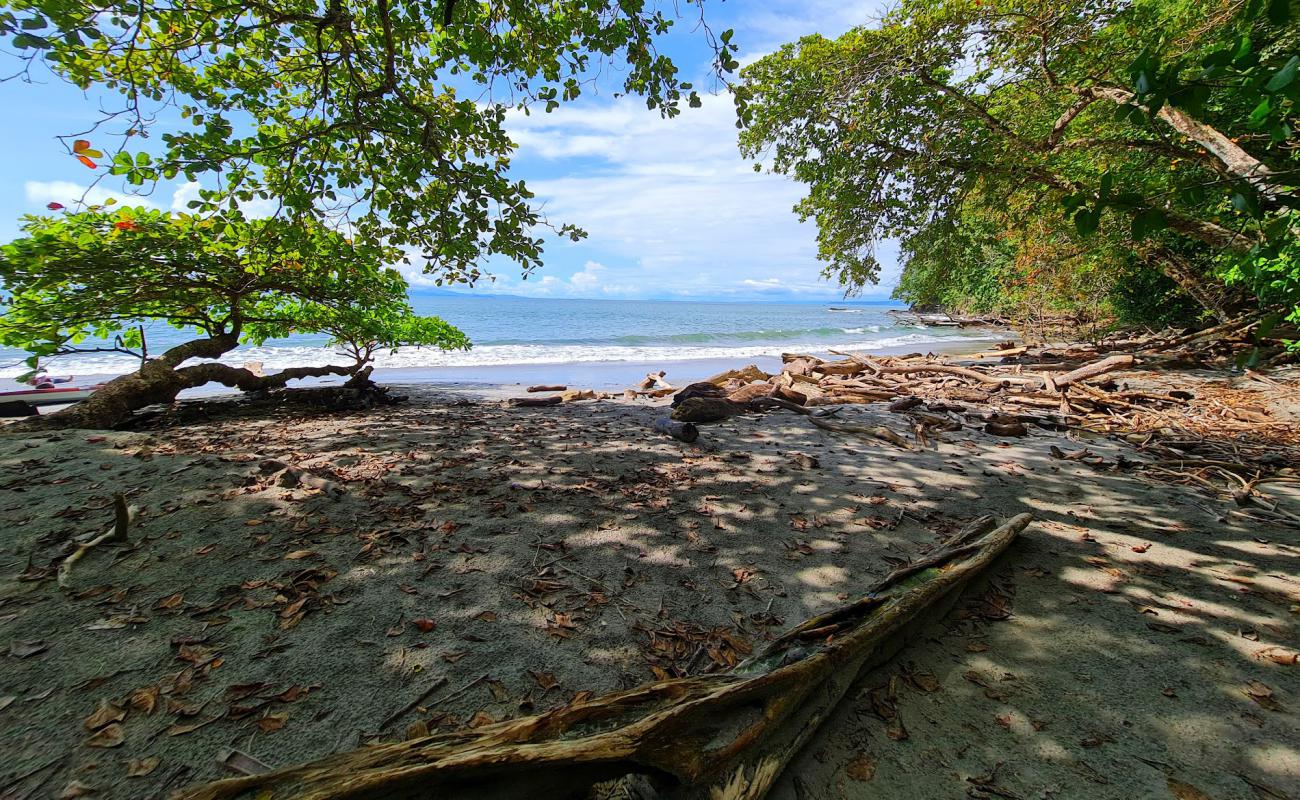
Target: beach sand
(1130,645)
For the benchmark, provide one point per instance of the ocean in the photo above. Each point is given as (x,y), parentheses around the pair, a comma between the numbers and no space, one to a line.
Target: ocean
(592,342)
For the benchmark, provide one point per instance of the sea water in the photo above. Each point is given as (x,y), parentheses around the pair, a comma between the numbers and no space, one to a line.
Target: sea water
(575,337)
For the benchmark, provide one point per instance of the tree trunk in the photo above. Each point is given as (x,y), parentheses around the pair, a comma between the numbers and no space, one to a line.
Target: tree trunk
(160,380)
(710,736)
(1212,295)
(1234,159)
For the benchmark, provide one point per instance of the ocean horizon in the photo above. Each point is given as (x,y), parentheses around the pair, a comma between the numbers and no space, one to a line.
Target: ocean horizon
(576,335)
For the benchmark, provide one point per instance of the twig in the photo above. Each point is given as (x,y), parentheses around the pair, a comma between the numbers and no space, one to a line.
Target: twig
(122,517)
(438,684)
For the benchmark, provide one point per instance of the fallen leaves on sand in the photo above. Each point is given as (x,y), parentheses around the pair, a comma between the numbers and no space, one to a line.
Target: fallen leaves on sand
(272,722)
(144,699)
(76,789)
(1185,791)
(1263,695)
(107,712)
(883,702)
(26,648)
(139,767)
(170,601)
(679,649)
(110,736)
(424,625)
(862,768)
(545,680)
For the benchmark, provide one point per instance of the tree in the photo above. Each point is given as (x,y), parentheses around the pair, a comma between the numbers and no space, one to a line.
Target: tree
(1135,114)
(384,119)
(227,279)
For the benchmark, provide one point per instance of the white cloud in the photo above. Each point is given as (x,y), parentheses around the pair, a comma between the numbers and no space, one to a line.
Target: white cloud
(73,195)
(184,195)
(670,206)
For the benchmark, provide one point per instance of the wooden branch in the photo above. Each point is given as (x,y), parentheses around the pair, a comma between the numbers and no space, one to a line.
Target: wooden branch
(682,431)
(536,402)
(948,369)
(727,735)
(875,431)
(123,515)
(1092,370)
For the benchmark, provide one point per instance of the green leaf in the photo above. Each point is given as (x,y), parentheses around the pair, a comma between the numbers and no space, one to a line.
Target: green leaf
(1283,77)
(1086,221)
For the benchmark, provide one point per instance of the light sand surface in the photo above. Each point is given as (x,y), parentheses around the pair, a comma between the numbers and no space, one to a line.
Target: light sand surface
(1130,645)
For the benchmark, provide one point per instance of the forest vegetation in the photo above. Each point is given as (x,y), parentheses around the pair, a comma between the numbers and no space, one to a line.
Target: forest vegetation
(1094,160)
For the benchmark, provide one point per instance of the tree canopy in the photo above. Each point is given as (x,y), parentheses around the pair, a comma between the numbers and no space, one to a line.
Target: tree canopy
(1162,130)
(230,280)
(385,119)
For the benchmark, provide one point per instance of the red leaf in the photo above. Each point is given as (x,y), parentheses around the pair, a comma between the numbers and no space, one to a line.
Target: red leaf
(425,625)
(54,206)
(90,164)
(80,145)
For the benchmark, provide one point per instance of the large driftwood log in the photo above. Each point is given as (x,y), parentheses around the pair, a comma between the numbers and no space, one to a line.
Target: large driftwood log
(711,736)
(1093,370)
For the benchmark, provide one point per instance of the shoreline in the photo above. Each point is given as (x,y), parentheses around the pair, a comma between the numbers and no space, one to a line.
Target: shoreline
(499,380)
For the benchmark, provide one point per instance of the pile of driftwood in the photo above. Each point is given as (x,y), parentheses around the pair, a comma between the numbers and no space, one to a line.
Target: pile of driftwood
(935,393)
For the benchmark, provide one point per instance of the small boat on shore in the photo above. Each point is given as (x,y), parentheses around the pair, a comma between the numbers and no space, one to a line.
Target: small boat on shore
(56,395)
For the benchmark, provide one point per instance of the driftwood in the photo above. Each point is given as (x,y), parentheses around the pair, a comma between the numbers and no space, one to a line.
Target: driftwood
(654,380)
(123,515)
(875,431)
(546,388)
(682,431)
(999,380)
(706,409)
(710,736)
(536,402)
(747,374)
(1093,370)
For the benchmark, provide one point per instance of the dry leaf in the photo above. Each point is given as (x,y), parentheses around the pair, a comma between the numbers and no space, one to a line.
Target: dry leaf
(425,625)
(862,768)
(480,719)
(111,736)
(272,722)
(298,555)
(76,789)
(170,601)
(545,680)
(21,648)
(488,616)
(105,713)
(144,700)
(139,767)
(1263,695)
(1185,791)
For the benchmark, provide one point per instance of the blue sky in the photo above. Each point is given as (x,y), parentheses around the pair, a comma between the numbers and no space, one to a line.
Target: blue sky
(671,209)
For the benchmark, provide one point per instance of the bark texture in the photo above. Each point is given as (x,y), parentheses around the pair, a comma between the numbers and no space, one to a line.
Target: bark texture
(161,379)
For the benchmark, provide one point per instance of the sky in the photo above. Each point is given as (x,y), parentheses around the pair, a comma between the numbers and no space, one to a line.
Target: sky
(671,209)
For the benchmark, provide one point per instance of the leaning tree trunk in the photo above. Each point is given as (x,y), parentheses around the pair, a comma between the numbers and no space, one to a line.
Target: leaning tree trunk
(160,380)
(1212,295)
